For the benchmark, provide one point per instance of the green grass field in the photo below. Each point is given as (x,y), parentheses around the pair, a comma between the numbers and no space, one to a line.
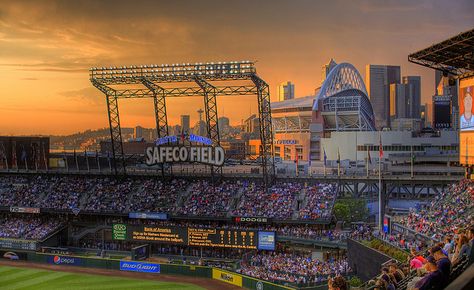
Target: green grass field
(14,278)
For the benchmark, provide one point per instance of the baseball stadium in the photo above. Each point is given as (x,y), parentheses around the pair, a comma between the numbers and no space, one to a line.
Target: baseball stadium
(183,212)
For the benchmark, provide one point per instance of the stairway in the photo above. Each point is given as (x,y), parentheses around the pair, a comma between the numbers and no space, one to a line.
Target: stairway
(183,195)
(301,197)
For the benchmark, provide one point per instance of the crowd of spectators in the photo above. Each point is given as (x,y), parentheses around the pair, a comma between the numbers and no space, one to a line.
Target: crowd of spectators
(200,198)
(23,191)
(110,195)
(277,202)
(207,199)
(432,268)
(157,196)
(444,249)
(293,267)
(449,211)
(27,227)
(320,200)
(64,193)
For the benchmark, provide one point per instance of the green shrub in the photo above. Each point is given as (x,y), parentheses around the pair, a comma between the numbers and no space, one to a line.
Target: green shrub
(355,281)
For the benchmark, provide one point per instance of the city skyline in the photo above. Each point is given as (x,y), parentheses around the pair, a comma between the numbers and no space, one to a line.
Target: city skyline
(47,50)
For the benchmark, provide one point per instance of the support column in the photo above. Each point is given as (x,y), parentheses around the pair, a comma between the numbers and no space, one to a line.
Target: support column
(114,126)
(161,119)
(266,130)
(115,135)
(212,124)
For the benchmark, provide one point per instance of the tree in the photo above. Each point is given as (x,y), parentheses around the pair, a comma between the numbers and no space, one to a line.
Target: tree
(342,211)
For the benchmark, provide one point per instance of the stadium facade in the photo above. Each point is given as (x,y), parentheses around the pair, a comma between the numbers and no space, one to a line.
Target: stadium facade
(339,121)
(340,104)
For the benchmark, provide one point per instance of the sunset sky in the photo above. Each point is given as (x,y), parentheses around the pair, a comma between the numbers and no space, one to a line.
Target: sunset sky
(47,47)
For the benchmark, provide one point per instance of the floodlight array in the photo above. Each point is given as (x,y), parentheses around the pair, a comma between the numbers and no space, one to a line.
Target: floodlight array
(176,71)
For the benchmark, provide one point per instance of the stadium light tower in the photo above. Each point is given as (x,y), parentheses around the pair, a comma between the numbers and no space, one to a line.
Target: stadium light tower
(207,80)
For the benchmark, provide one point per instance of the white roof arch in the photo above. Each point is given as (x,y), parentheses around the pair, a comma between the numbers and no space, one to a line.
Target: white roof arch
(343,76)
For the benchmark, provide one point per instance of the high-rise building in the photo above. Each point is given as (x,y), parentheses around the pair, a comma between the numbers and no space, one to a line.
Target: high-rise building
(138,132)
(414,95)
(438,78)
(185,123)
(378,79)
(446,85)
(286,91)
(427,114)
(252,124)
(327,69)
(223,122)
(398,101)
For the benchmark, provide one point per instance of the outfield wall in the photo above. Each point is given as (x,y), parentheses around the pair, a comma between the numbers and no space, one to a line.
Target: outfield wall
(149,267)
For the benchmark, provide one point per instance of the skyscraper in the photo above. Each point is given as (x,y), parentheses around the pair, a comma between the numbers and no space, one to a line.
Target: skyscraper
(286,91)
(138,132)
(327,69)
(223,122)
(185,121)
(378,79)
(398,101)
(413,96)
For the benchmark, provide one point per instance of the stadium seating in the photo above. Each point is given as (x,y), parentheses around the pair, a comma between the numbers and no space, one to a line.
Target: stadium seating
(284,200)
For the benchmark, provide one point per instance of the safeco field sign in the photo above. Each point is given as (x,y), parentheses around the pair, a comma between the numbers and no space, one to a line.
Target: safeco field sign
(119,232)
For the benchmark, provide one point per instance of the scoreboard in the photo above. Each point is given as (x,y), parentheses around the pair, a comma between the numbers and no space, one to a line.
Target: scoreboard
(203,237)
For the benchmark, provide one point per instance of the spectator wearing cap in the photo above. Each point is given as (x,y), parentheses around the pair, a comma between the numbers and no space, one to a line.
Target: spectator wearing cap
(443,263)
(435,279)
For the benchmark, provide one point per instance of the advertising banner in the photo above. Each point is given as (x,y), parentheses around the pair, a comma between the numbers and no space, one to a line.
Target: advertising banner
(119,232)
(202,237)
(466,121)
(148,215)
(24,209)
(228,277)
(262,220)
(139,267)
(266,241)
(65,260)
(17,244)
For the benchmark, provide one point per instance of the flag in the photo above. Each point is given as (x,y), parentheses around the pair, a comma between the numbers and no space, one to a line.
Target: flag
(380,147)
(14,160)
(296,159)
(182,136)
(325,157)
(368,155)
(338,156)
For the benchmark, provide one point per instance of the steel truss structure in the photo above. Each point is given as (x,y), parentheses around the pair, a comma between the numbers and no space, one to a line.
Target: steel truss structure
(452,56)
(208,80)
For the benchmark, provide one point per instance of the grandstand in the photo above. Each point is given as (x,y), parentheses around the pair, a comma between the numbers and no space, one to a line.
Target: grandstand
(74,214)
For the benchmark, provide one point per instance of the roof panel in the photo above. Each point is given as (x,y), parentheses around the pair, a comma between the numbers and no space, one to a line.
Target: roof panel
(454,55)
